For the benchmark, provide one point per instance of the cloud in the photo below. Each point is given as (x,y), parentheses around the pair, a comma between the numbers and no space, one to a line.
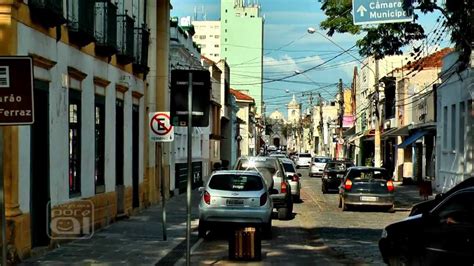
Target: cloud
(286,63)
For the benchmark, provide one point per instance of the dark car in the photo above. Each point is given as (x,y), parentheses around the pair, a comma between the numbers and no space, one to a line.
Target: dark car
(364,185)
(333,173)
(274,175)
(442,236)
(428,205)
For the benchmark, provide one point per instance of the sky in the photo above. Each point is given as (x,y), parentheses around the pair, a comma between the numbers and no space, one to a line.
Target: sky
(289,48)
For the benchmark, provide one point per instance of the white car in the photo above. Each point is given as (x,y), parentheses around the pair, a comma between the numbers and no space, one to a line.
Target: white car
(303,160)
(293,178)
(317,165)
(235,197)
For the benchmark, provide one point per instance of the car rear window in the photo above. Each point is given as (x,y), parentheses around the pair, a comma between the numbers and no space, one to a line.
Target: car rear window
(336,166)
(305,155)
(321,160)
(368,174)
(289,167)
(236,182)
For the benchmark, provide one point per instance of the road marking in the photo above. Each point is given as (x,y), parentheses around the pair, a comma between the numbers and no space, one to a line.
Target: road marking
(196,245)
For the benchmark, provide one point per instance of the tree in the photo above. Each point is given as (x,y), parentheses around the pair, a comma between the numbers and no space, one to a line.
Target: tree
(390,38)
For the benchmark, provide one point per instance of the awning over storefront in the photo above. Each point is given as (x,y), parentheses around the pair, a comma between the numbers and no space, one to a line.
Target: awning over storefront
(354,138)
(394,132)
(412,138)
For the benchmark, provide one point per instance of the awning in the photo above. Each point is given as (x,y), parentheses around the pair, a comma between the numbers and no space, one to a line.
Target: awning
(412,138)
(354,138)
(394,132)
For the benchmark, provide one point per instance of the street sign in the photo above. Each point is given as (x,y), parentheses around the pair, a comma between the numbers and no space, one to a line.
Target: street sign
(200,86)
(16,90)
(161,129)
(380,11)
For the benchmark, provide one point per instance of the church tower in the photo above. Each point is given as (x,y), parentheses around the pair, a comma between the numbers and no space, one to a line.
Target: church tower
(294,111)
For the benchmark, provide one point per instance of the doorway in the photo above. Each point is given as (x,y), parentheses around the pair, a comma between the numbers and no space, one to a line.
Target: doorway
(40,195)
(119,187)
(135,153)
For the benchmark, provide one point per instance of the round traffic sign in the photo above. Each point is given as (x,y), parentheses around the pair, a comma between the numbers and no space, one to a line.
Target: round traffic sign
(160,124)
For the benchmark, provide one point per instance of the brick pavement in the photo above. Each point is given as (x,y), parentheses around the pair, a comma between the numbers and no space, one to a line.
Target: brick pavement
(133,241)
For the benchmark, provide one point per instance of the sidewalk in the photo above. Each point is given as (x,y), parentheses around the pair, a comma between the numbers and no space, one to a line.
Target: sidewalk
(134,241)
(406,196)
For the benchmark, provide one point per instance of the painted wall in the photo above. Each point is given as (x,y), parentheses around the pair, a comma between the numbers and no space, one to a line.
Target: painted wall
(208,36)
(454,137)
(242,27)
(58,115)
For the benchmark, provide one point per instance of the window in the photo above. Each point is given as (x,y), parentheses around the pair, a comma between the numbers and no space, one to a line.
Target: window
(462,117)
(236,182)
(453,127)
(74,143)
(216,45)
(202,37)
(119,142)
(216,36)
(445,127)
(99,144)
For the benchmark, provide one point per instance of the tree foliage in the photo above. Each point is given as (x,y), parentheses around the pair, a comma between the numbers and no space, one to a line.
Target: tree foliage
(390,38)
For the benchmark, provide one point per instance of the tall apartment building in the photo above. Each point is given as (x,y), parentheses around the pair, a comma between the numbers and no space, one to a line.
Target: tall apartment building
(208,37)
(242,47)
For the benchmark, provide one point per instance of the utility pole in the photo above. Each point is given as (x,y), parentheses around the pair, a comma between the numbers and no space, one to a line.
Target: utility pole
(321,125)
(377,117)
(341,118)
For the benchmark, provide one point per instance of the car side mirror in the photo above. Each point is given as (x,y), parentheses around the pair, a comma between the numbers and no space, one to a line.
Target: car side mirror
(273,191)
(439,196)
(201,189)
(299,174)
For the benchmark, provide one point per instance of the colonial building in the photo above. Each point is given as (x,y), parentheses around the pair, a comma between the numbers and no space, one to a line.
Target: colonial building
(247,130)
(87,141)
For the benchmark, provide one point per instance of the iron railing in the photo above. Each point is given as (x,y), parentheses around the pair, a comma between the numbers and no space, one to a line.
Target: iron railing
(142,40)
(125,35)
(105,27)
(47,12)
(80,18)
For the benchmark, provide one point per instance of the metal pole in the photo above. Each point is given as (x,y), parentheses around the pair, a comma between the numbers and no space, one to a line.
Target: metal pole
(2,203)
(321,126)
(159,150)
(341,117)
(190,170)
(377,118)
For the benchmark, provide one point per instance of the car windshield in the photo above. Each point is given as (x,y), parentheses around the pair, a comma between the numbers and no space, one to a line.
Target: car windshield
(305,155)
(236,182)
(321,160)
(368,174)
(289,167)
(336,166)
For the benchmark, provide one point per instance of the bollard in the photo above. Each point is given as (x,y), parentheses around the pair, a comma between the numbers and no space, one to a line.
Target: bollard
(245,244)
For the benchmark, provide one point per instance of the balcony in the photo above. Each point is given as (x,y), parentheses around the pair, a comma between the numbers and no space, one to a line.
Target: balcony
(140,62)
(47,12)
(105,28)
(125,35)
(81,21)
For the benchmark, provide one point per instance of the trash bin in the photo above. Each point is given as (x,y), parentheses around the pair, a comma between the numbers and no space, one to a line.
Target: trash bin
(245,244)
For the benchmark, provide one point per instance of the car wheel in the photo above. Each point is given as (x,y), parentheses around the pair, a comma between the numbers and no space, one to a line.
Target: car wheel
(399,260)
(340,203)
(202,229)
(324,189)
(282,213)
(290,211)
(391,209)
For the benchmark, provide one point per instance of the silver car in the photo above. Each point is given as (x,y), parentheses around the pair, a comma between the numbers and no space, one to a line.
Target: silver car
(317,165)
(235,197)
(293,178)
(303,160)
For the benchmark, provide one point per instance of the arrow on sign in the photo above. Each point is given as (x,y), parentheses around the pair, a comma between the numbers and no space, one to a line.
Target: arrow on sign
(361,10)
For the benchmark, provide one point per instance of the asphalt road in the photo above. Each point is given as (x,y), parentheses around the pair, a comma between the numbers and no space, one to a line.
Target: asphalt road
(319,234)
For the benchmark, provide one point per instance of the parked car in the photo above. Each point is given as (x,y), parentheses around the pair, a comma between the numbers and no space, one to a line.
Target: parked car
(278,155)
(293,178)
(277,183)
(303,160)
(428,205)
(317,165)
(442,236)
(365,185)
(333,173)
(235,197)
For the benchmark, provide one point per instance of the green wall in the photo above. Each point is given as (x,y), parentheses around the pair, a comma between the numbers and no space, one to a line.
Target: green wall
(242,47)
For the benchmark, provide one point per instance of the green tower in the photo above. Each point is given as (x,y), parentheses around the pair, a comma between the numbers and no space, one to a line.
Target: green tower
(242,47)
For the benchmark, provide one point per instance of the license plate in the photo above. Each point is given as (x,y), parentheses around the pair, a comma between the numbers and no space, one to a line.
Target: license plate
(340,176)
(235,202)
(363,198)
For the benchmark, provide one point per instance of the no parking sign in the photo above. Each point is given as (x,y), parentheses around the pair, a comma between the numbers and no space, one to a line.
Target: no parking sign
(160,126)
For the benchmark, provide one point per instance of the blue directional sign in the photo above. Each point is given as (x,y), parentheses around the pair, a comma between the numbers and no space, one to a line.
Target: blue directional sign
(379,11)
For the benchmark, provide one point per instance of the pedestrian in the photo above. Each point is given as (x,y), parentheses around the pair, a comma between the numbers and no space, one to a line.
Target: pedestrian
(388,165)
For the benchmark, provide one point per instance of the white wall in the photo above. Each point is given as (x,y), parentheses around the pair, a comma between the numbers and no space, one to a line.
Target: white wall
(40,44)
